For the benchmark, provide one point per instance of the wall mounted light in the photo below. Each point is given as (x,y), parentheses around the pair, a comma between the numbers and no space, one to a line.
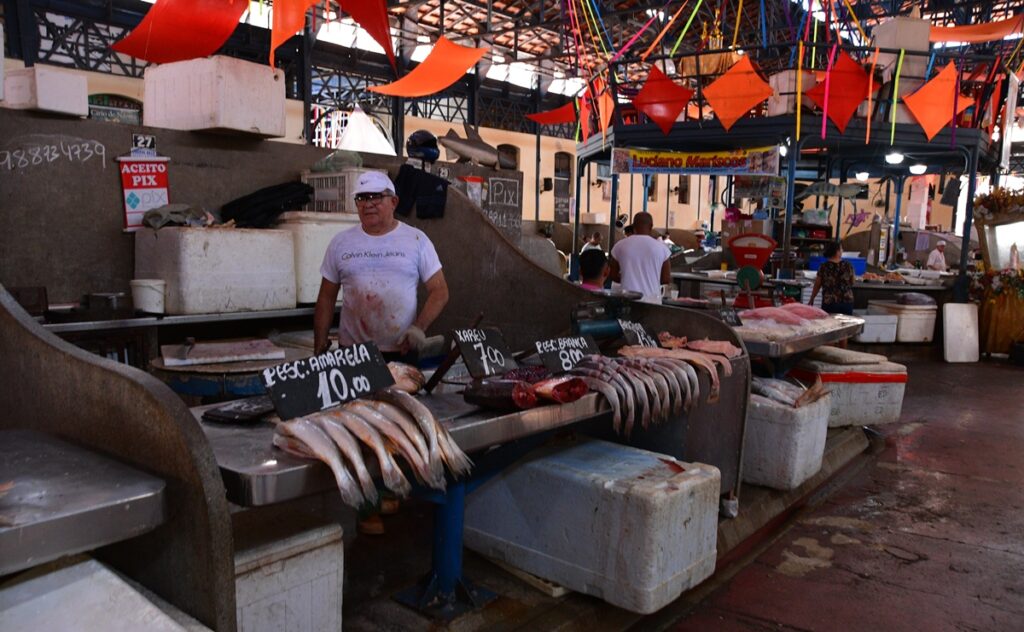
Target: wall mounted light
(894,158)
(918,169)
(863,176)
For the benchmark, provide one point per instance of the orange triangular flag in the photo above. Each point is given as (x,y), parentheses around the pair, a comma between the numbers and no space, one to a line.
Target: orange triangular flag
(737,91)
(932,104)
(446,64)
(286,18)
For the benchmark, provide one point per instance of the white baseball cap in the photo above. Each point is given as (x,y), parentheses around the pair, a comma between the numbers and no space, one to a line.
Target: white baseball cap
(374,182)
(941,243)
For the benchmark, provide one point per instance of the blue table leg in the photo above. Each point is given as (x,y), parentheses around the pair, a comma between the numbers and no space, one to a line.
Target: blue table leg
(444,593)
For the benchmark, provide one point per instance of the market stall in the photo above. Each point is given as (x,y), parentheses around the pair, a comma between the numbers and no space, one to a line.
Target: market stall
(999,290)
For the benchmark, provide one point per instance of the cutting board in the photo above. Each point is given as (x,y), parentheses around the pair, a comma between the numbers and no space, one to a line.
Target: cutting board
(217,352)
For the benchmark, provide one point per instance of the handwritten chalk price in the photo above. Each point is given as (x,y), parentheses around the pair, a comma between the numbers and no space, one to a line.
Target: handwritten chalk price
(563,354)
(484,351)
(636,334)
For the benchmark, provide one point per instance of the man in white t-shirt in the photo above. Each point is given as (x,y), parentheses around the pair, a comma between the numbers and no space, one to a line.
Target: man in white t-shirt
(937,258)
(640,262)
(380,263)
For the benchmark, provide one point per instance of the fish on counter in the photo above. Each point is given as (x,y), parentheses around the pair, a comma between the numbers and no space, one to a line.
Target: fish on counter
(501,394)
(705,361)
(562,390)
(407,377)
(669,341)
(392,422)
(807,312)
(720,347)
(783,392)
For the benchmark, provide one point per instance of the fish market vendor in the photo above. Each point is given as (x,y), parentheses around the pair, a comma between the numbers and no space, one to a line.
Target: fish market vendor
(380,263)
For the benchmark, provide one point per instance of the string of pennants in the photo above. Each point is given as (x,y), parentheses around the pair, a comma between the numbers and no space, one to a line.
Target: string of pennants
(175,30)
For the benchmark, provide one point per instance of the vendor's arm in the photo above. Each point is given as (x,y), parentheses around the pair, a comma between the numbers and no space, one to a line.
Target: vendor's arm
(437,298)
(814,290)
(614,271)
(666,272)
(323,314)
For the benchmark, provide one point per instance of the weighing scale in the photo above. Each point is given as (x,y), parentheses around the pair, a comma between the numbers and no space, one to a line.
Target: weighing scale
(599,318)
(751,252)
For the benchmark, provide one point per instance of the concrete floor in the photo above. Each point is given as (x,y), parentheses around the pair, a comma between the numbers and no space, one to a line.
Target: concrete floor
(925,534)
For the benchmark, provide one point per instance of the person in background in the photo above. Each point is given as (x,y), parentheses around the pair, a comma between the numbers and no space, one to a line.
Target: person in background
(937,257)
(380,263)
(593,269)
(834,281)
(593,242)
(640,262)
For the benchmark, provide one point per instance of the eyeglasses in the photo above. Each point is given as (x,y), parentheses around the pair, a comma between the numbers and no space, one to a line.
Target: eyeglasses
(366,198)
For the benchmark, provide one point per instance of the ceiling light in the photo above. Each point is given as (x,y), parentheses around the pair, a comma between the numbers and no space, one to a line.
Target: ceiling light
(894,158)
(783,150)
(918,169)
(863,176)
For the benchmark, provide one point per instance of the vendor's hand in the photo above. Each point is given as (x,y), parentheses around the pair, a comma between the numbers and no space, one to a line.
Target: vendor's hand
(412,339)
(322,347)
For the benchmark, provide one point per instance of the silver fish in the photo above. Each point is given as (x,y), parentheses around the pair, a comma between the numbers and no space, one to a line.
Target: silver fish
(306,431)
(349,448)
(389,470)
(393,431)
(608,391)
(408,425)
(428,424)
(671,379)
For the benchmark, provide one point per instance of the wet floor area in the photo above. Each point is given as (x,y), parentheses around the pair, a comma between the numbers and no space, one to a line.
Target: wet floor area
(926,533)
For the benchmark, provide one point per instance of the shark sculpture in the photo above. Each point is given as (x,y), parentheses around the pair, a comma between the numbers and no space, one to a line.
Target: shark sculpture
(846,191)
(474,149)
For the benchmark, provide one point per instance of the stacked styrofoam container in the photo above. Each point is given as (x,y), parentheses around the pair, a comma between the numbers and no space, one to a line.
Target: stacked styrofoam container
(216,93)
(862,394)
(632,527)
(878,328)
(212,271)
(783,446)
(311,234)
(288,576)
(47,89)
(909,34)
(783,100)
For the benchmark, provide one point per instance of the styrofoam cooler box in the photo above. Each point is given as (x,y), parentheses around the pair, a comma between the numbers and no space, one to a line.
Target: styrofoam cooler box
(289,575)
(783,446)
(960,332)
(910,34)
(783,100)
(215,93)
(862,394)
(210,270)
(916,322)
(48,89)
(311,234)
(632,527)
(877,327)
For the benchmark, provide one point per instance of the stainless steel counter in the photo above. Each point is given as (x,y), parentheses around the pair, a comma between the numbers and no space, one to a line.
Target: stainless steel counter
(66,499)
(848,326)
(165,321)
(256,473)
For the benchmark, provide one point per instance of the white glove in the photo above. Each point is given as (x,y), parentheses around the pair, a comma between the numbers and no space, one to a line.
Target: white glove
(412,339)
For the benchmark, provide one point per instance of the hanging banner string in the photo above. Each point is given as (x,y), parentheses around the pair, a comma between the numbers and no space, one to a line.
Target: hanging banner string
(856,22)
(736,29)
(871,91)
(764,26)
(686,28)
(664,29)
(814,49)
(895,98)
(828,84)
(799,88)
(931,64)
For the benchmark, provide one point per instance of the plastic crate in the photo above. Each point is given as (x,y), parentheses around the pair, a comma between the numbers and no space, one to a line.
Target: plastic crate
(332,192)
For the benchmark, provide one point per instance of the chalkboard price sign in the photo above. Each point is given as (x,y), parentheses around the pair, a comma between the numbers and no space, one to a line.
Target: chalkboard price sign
(729,316)
(484,351)
(562,354)
(320,382)
(636,334)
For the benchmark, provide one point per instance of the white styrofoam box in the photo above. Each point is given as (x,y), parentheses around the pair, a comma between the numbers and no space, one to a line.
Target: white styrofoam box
(783,101)
(79,593)
(783,446)
(960,332)
(916,322)
(213,270)
(593,218)
(632,527)
(910,34)
(862,394)
(311,234)
(47,89)
(215,93)
(332,191)
(877,327)
(288,576)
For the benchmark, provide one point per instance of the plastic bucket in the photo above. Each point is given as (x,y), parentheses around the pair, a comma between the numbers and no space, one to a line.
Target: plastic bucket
(148,295)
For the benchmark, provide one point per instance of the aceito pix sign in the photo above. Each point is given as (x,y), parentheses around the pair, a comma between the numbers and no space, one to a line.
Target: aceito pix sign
(144,183)
(752,161)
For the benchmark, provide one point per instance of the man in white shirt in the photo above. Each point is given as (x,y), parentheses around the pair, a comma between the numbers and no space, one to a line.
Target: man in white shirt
(937,257)
(380,263)
(640,262)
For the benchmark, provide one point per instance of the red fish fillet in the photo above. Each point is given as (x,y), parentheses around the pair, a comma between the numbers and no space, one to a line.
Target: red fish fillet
(809,312)
(562,389)
(721,347)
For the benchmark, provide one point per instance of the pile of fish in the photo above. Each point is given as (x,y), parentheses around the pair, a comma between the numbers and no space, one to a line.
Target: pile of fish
(720,347)
(392,423)
(783,392)
(788,314)
(643,388)
(779,323)
(407,377)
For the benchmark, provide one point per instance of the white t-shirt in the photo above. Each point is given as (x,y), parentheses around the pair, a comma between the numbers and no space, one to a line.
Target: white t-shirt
(640,259)
(936,260)
(379,276)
